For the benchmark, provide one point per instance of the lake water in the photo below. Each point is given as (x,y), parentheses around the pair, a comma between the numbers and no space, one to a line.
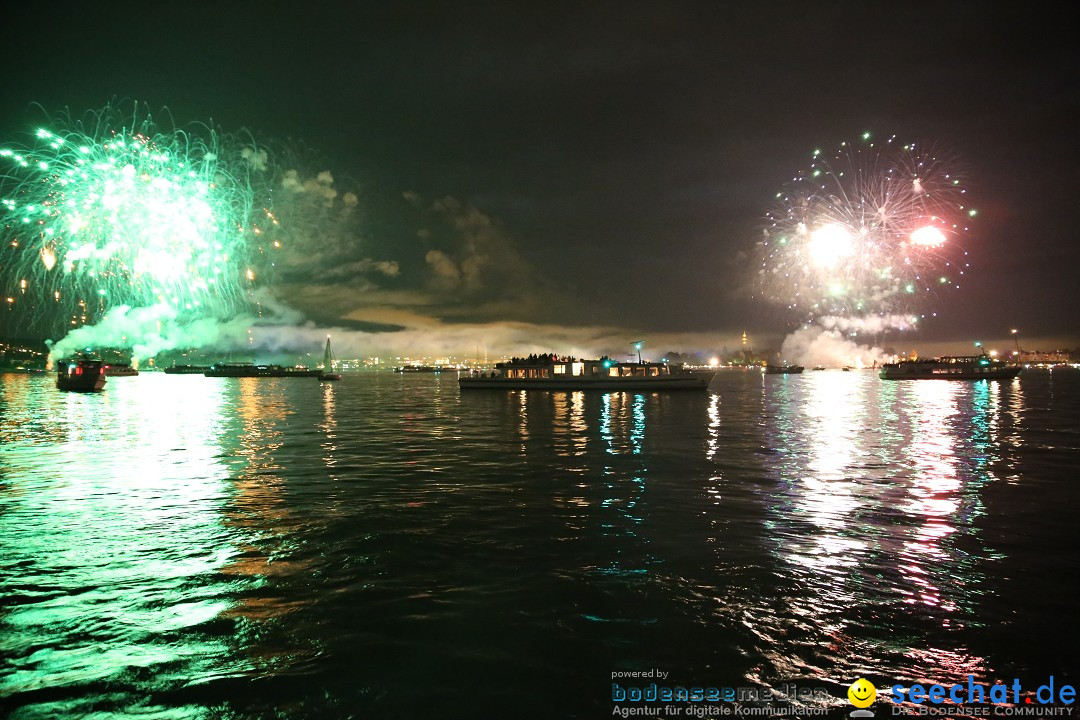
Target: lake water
(388,547)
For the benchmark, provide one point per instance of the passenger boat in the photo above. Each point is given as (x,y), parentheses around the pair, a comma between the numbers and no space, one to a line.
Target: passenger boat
(950,367)
(783,369)
(120,370)
(328,373)
(259,371)
(550,372)
(186,369)
(80,375)
(423,369)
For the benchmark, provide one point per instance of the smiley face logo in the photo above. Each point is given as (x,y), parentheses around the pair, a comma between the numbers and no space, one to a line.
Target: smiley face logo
(862,693)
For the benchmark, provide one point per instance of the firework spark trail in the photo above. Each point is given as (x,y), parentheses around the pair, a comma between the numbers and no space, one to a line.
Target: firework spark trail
(870,234)
(110,212)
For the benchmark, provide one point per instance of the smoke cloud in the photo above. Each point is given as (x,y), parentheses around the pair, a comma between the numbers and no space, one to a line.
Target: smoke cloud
(831,342)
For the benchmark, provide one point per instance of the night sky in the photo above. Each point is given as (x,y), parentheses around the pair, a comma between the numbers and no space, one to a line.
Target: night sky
(586,173)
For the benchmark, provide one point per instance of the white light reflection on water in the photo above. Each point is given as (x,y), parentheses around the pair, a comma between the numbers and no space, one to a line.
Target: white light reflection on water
(329,425)
(876,481)
(934,487)
(814,427)
(826,493)
(713,441)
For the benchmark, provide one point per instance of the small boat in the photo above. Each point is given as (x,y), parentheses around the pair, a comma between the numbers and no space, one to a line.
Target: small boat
(950,367)
(422,369)
(328,373)
(783,369)
(550,372)
(818,367)
(120,370)
(80,375)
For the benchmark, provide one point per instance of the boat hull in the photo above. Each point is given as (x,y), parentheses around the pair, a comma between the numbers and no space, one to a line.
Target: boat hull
(624,384)
(85,376)
(186,370)
(259,371)
(891,373)
(950,367)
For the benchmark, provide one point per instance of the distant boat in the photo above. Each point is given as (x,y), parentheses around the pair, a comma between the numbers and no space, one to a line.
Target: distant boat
(818,367)
(80,375)
(186,369)
(783,369)
(120,370)
(259,371)
(422,369)
(328,364)
(549,372)
(971,367)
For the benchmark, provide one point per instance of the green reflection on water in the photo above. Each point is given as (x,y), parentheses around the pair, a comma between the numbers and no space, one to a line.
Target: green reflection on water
(112,542)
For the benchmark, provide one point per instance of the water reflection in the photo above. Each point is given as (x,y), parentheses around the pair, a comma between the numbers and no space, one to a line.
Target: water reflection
(622,423)
(569,424)
(329,425)
(713,441)
(260,457)
(153,528)
(281,548)
(262,416)
(875,484)
(622,430)
(934,488)
(27,407)
(113,540)
(611,423)
(522,398)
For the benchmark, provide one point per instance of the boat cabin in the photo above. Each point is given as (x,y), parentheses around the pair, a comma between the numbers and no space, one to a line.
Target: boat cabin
(553,367)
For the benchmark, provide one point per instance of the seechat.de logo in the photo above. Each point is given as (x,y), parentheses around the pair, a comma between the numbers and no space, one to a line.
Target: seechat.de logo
(862,694)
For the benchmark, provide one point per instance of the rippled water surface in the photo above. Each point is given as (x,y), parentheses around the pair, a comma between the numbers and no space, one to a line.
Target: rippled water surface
(387,547)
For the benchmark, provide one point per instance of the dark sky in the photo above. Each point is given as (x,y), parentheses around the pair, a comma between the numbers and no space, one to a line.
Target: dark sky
(601,164)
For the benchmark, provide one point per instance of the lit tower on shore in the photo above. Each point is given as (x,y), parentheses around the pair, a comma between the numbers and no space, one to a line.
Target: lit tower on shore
(747,350)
